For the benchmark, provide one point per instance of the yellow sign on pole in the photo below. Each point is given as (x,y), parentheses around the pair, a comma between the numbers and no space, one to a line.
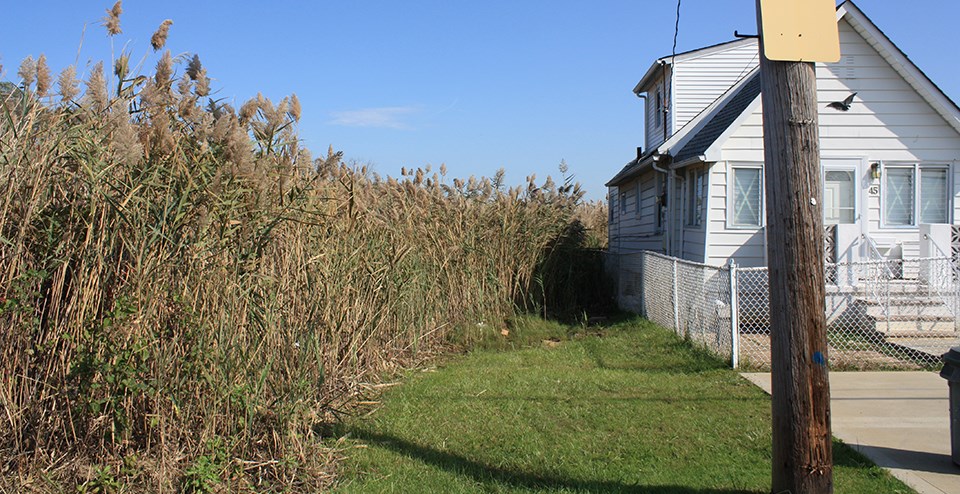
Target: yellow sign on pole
(800,30)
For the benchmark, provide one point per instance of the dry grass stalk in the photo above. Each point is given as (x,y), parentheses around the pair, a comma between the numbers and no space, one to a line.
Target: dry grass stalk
(183,284)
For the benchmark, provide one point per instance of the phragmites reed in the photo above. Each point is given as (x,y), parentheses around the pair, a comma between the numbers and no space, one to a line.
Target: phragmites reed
(159,38)
(112,20)
(96,95)
(44,78)
(184,290)
(164,70)
(68,84)
(28,71)
(194,67)
(293,108)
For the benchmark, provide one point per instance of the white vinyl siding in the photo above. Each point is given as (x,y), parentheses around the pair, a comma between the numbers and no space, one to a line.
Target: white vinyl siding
(636,230)
(746,245)
(888,122)
(701,80)
(656,125)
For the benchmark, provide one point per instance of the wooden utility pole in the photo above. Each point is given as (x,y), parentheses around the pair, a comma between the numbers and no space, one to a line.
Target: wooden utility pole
(802,453)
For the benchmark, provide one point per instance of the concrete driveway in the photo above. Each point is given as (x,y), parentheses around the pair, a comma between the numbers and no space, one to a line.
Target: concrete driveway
(900,420)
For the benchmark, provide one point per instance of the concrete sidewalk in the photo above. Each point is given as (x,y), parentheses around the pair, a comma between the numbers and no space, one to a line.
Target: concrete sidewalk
(900,420)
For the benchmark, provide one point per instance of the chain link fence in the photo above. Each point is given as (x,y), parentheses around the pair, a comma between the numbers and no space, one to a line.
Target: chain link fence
(890,314)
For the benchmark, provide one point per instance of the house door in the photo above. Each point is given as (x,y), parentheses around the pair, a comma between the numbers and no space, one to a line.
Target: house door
(841,205)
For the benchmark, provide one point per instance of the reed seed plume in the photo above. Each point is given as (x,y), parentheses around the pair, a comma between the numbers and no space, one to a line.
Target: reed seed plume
(44,79)
(159,38)
(28,71)
(164,71)
(202,87)
(294,109)
(193,68)
(96,93)
(249,109)
(112,20)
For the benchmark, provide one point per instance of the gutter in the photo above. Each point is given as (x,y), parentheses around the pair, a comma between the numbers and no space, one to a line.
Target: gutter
(700,158)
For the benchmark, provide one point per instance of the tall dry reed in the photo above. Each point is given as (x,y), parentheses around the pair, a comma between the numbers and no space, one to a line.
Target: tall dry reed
(187,296)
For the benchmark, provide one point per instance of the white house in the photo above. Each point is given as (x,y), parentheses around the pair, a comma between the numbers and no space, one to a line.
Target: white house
(890,161)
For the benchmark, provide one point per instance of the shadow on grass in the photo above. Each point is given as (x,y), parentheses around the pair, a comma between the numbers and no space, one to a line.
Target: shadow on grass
(491,476)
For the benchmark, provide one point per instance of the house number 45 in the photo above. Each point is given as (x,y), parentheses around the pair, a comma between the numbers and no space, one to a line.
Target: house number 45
(874,190)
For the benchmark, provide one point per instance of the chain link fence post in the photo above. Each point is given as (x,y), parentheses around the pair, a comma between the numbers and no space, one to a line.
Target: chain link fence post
(676,299)
(734,318)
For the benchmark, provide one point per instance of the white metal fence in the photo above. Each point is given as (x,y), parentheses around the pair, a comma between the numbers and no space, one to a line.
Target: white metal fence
(889,314)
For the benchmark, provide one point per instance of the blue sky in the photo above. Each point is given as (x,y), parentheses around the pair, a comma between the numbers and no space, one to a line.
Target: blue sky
(475,85)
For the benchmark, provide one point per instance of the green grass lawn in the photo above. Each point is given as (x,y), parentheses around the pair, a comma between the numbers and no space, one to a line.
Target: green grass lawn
(625,408)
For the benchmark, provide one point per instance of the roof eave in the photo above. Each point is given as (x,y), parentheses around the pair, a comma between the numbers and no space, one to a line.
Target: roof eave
(689,54)
(646,79)
(702,158)
(632,169)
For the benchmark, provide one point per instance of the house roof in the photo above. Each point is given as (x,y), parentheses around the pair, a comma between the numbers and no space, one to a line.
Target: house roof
(633,168)
(719,120)
(700,133)
(705,132)
(687,55)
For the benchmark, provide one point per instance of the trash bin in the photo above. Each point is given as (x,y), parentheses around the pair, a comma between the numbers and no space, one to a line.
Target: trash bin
(951,372)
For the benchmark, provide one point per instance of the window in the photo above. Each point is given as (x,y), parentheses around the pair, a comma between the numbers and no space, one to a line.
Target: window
(839,197)
(658,110)
(697,197)
(904,195)
(639,203)
(660,201)
(934,199)
(747,195)
(623,202)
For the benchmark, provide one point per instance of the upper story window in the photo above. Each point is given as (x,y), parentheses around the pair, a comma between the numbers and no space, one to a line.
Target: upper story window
(658,110)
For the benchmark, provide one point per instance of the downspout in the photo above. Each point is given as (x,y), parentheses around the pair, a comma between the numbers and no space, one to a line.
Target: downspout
(672,179)
(666,219)
(663,99)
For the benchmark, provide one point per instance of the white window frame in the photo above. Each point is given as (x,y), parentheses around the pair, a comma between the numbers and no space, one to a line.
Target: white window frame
(658,110)
(638,207)
(693,195)
(916,167)
(730,195)
(856,187)
(611,209)
(622,197)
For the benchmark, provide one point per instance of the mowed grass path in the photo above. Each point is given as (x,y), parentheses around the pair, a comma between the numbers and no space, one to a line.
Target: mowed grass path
(625,408)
